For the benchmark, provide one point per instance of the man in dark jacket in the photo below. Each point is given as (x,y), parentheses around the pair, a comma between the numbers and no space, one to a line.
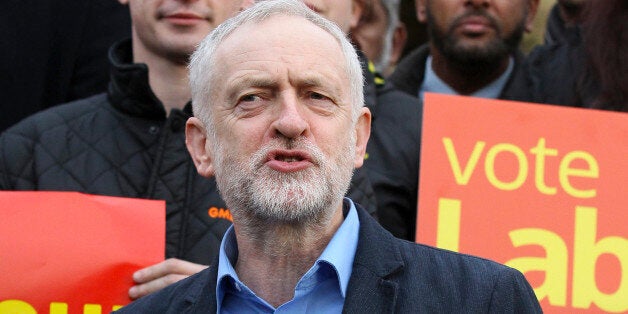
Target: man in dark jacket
(472,49)
(280,120)
(130,142)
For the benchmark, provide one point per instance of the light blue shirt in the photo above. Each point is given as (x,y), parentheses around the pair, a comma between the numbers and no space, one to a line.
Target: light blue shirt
(433,83)
(322,289)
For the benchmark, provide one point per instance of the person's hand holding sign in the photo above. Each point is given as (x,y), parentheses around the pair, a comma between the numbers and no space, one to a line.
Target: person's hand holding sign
(160,275)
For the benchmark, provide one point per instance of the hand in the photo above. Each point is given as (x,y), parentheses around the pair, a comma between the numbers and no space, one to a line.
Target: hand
(160,275)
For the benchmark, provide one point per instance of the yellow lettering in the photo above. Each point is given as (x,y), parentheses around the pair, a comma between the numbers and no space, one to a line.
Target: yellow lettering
(565,171)
(16,307)
(586,253)
(554,264)
(540,151)
(92,309)
(462,176)
(58,308)
(448,226)
(489,167)
(21,307)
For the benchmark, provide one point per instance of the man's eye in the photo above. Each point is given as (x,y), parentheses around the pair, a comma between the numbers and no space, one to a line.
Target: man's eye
(250,98)
(317,96)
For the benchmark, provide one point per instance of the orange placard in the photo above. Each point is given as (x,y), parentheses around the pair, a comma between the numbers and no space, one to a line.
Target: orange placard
(540,188)
(67,252)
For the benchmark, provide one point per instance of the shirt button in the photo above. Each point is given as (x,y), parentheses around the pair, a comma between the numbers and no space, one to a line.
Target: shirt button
(153,129)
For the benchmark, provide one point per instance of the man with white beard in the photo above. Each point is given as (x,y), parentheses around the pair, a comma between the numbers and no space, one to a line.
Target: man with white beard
(280,122)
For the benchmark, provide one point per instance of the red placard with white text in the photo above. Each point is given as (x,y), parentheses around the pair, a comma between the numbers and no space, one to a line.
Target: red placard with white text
(540,188)
(67,252)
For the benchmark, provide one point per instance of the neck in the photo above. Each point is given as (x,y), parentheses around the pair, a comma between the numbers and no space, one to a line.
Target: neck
(466,79)
(167,79)
(272,260)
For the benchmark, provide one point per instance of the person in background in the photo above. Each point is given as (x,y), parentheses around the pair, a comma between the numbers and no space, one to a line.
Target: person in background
(591,69)
(473,49)
(280,122)
(393,151)
(563,18)
(130,141)
(417,32)
(55,52)
(380,34)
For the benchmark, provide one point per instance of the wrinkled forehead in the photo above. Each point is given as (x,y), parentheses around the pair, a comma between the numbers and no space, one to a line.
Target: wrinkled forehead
(282,34)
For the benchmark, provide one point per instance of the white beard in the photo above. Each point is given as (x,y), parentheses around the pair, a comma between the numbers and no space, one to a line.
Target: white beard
(256,191)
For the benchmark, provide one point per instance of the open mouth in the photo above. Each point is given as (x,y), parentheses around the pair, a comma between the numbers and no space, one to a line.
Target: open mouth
(288,158)
(288,161)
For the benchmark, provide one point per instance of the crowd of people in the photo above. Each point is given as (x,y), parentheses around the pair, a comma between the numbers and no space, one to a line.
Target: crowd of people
(300,118)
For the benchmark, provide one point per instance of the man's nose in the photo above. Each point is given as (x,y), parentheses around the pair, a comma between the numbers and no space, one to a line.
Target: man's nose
(290,121)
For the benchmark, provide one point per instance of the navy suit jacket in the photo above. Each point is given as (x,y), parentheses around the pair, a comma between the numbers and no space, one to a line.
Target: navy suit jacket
(389,275)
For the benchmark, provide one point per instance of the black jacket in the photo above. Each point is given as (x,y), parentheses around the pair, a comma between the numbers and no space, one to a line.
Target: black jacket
(393,152)
(410,72)
(119,144)
(558,73)
(123,144)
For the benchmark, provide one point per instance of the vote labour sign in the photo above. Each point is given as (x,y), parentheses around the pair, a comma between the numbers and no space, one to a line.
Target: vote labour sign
(67,252)
(539,188)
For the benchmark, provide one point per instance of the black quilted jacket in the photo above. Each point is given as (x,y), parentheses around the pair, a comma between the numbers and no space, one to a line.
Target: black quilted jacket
(123,144)
(118,144)
(393,153)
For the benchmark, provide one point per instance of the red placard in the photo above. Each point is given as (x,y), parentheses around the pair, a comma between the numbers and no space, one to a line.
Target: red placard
(539,188)
(67,252)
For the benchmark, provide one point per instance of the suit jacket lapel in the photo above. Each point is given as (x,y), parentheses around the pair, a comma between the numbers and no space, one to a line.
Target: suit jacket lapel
(372,288)
(203,296)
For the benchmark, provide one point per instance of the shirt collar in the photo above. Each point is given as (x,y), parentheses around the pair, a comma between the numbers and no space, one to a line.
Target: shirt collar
(433,83)
(339,254)
(340,251)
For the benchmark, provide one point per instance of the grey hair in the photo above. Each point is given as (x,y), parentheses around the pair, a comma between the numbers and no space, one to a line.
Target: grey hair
(201,67)
(392,21)
(392,12)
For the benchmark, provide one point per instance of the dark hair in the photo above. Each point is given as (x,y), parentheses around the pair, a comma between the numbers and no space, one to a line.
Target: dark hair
(605,35)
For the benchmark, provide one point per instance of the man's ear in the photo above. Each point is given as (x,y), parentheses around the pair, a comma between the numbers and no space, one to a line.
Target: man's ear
(357,7)
(362,132)
(196,142)
(124,2)
(421,10)
(400,37)
(533,6)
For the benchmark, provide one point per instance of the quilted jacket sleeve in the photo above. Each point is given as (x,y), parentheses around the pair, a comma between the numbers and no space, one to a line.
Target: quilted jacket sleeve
(16,149)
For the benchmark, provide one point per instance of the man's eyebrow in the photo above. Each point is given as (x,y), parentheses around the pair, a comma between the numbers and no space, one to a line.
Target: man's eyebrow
(249,81)
(311,81)
(317,81)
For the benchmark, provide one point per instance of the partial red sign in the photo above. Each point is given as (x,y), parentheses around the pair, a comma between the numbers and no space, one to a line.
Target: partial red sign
(67,252)
(539,188)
